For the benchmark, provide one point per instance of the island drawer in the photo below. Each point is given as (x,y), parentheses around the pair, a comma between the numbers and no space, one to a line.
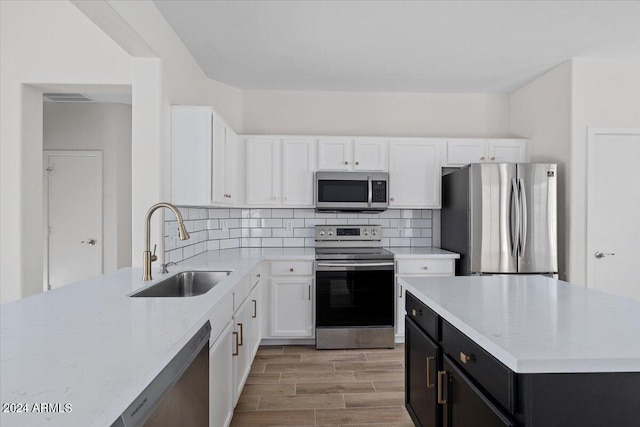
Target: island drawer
(483,368)
(426,318)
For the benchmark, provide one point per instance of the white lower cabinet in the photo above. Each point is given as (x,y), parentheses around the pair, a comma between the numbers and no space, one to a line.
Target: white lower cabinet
(234,346)
(221,379)
(242,352)
(289,300)
(418,267)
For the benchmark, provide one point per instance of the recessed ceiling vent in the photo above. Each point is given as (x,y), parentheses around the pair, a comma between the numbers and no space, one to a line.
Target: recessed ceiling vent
(67,97)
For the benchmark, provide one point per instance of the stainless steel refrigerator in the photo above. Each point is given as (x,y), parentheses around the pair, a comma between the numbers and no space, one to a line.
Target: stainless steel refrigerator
(501,218)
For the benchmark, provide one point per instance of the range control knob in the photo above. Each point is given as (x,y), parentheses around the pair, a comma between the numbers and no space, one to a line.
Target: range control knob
(330,233)
(365,232)
(374,232)
(322,232)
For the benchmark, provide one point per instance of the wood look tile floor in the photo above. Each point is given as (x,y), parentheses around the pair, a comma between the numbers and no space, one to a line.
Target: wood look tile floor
(302,386)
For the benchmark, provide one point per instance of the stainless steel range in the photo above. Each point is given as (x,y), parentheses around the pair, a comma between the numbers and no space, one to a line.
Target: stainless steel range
(355,298)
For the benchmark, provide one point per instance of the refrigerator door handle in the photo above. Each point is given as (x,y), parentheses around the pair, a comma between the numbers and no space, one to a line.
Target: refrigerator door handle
(523,217)
(514,218)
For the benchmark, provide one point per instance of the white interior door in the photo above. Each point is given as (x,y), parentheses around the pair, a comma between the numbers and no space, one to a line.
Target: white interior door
(73,212)
(613,227)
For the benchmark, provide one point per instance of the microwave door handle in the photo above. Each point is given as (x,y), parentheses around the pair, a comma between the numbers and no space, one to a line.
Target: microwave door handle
(370,190)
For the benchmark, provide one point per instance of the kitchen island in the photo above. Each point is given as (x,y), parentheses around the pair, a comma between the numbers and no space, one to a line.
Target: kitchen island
(520,350)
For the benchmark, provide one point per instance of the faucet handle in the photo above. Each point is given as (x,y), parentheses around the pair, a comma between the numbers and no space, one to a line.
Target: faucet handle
(154,257)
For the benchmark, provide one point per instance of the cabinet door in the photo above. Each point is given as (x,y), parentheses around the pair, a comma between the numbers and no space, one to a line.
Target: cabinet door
(466,404)
(219,161)
(334,154)
(191,155)
(221,379)
(421,355)
(255,320)
(298,165)
(369,154)
(291,307)
(508,150)
(414,174)
(263,171)
(243,356)
(400,304)
(464,151)
(231,165)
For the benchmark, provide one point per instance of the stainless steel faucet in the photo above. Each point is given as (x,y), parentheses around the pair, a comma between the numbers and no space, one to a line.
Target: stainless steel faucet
(148,257)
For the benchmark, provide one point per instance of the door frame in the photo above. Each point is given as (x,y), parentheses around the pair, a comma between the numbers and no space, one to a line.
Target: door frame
(45,207)
(592,133)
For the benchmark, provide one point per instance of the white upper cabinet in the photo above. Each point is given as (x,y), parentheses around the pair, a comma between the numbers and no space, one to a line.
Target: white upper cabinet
(508,150)
(414,173)
(369,154)
(203,157)
(298,165)
(263,171)
(191,148)
(341,153)
(280,171)
(334,153)
(500,150)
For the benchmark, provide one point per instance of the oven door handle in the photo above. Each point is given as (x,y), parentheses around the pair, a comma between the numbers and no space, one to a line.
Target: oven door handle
(369,191)
(329,266)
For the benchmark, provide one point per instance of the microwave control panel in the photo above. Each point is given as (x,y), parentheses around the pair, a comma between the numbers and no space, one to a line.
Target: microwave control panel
(379,191)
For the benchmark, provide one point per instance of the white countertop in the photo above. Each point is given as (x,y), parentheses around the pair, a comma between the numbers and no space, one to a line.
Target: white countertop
(91,345)
(534,324)
(404,252)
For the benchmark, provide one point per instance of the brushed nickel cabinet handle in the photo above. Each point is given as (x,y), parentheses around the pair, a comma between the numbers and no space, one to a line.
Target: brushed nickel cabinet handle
(241,334)
(309,292)
(464,358)
(440,394)
(235,352)
(429,384)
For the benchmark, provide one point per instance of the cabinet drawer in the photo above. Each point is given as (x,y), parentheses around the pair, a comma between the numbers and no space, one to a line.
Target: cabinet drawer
(426,318)
(426,266)
(486,370)
(291,268)
(241,291)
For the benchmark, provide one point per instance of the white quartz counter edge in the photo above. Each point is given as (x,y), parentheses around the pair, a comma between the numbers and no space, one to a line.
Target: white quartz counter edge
(600,335)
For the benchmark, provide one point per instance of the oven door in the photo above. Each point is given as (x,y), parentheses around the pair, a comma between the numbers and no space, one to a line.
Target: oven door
(354,294)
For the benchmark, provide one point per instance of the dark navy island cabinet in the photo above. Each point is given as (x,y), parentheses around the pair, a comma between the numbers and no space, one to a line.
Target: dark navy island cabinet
(451,381)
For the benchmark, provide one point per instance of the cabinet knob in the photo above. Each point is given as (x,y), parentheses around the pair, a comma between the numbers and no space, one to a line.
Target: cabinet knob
(357,163)
(425,268)
(493,158)
(392,199)
(482,158)
(291,269)
(346,163)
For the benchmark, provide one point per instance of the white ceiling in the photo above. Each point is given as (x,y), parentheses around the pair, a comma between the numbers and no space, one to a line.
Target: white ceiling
(398,46)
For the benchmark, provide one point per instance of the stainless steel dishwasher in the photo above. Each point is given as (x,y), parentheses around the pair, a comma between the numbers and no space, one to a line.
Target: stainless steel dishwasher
(179,395)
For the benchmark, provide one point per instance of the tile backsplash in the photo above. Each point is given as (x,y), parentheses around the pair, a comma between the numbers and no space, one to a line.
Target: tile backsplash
(227,228)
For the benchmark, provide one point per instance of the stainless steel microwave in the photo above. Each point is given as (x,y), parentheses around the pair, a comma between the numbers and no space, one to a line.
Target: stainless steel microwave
(352,191)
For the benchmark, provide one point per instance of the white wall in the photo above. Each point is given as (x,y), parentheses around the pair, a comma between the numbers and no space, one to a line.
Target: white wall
(104,127)
(541,111)
(384,114)
(40,42)
(606,94)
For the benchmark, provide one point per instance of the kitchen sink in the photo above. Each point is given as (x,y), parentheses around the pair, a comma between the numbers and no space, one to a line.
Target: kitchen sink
(185,284)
